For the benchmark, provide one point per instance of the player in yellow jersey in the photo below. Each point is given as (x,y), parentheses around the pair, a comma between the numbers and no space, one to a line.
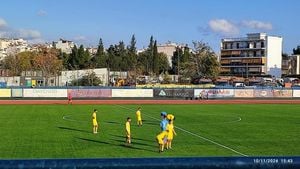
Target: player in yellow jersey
(95,123)
(127,129)
(171,117)
(160,140)
(139,117)
(171,133)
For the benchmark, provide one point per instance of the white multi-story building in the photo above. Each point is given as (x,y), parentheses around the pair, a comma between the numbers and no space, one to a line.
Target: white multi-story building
(257,54)
(12,46)
(168,49)
(68,76)
(64,45)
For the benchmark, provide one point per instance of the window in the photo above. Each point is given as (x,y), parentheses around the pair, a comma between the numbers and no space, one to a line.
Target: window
(262,44)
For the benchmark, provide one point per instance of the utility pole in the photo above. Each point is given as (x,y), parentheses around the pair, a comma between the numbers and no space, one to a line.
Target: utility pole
(178,64)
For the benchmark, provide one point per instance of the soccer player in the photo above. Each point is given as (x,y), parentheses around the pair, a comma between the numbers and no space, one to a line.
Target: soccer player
(127,129)
(69,98)
(160,140)
(139,117)
(164,121)
(95,123)
(170,117)
(171,132)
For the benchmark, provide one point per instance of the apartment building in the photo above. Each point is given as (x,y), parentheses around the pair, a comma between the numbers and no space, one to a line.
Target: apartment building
(12,47)
(256,54)
(64,45)
(168,49)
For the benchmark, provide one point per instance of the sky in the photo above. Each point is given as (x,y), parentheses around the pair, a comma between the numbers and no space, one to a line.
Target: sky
(179,21)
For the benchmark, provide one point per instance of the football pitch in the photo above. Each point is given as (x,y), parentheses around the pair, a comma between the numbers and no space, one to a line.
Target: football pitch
(65,131)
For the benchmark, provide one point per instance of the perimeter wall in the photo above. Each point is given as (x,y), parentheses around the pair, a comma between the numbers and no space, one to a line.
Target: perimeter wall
(156,93)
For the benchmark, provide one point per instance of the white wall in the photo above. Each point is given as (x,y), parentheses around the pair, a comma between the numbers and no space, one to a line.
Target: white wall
(69,76)
(11,81)
(274,55)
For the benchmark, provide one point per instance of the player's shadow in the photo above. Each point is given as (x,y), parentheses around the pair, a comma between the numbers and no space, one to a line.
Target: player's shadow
(95,141)
(134,143)
(135,148)
(151,122)
(133,138)
(73,129)
(112,122)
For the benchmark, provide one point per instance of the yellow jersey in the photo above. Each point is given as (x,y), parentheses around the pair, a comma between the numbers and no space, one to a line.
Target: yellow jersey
(170,117)
(94,118)
(138,115)
(170,128)
(127,125)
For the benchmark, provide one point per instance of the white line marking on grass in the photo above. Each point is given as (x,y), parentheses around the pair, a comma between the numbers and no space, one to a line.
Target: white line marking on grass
(67,118)
(196,135)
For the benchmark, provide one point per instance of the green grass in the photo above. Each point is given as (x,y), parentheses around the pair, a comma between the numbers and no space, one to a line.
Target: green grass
(39,131)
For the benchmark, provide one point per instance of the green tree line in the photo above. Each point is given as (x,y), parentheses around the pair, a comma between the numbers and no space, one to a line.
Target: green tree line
(187,62)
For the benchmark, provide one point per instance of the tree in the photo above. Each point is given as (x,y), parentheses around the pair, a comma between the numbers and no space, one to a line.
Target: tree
(132,56)
(79,58)
(186,54)
(296,51)
(111,59)
(155,57)
(149,55)
(12,63)
(88,80)
(47,61)
(163,62)
(203,63)
(20,62)
(143,63)
(177,59)
(121,55)
(83,58)
(99,60)
(65,58)
(73,59)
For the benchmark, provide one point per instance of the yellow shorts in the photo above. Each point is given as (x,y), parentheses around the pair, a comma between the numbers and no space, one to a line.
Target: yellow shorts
(95,123)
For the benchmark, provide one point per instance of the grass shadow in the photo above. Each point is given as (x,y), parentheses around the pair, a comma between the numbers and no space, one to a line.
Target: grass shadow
(135,148)
(112,122)
(94,141)
(133,142)
(133,138)
(73,129)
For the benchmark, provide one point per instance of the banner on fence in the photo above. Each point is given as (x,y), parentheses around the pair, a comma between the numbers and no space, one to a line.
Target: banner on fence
(282,93)
(263,93)
(214,93)
(243,93)
(296,93)
(132,92)
(5,92)
(45,92)
(178,93)
(16,92)
(90,93)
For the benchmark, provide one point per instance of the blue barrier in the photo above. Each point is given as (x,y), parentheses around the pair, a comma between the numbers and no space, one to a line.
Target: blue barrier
(161,163)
